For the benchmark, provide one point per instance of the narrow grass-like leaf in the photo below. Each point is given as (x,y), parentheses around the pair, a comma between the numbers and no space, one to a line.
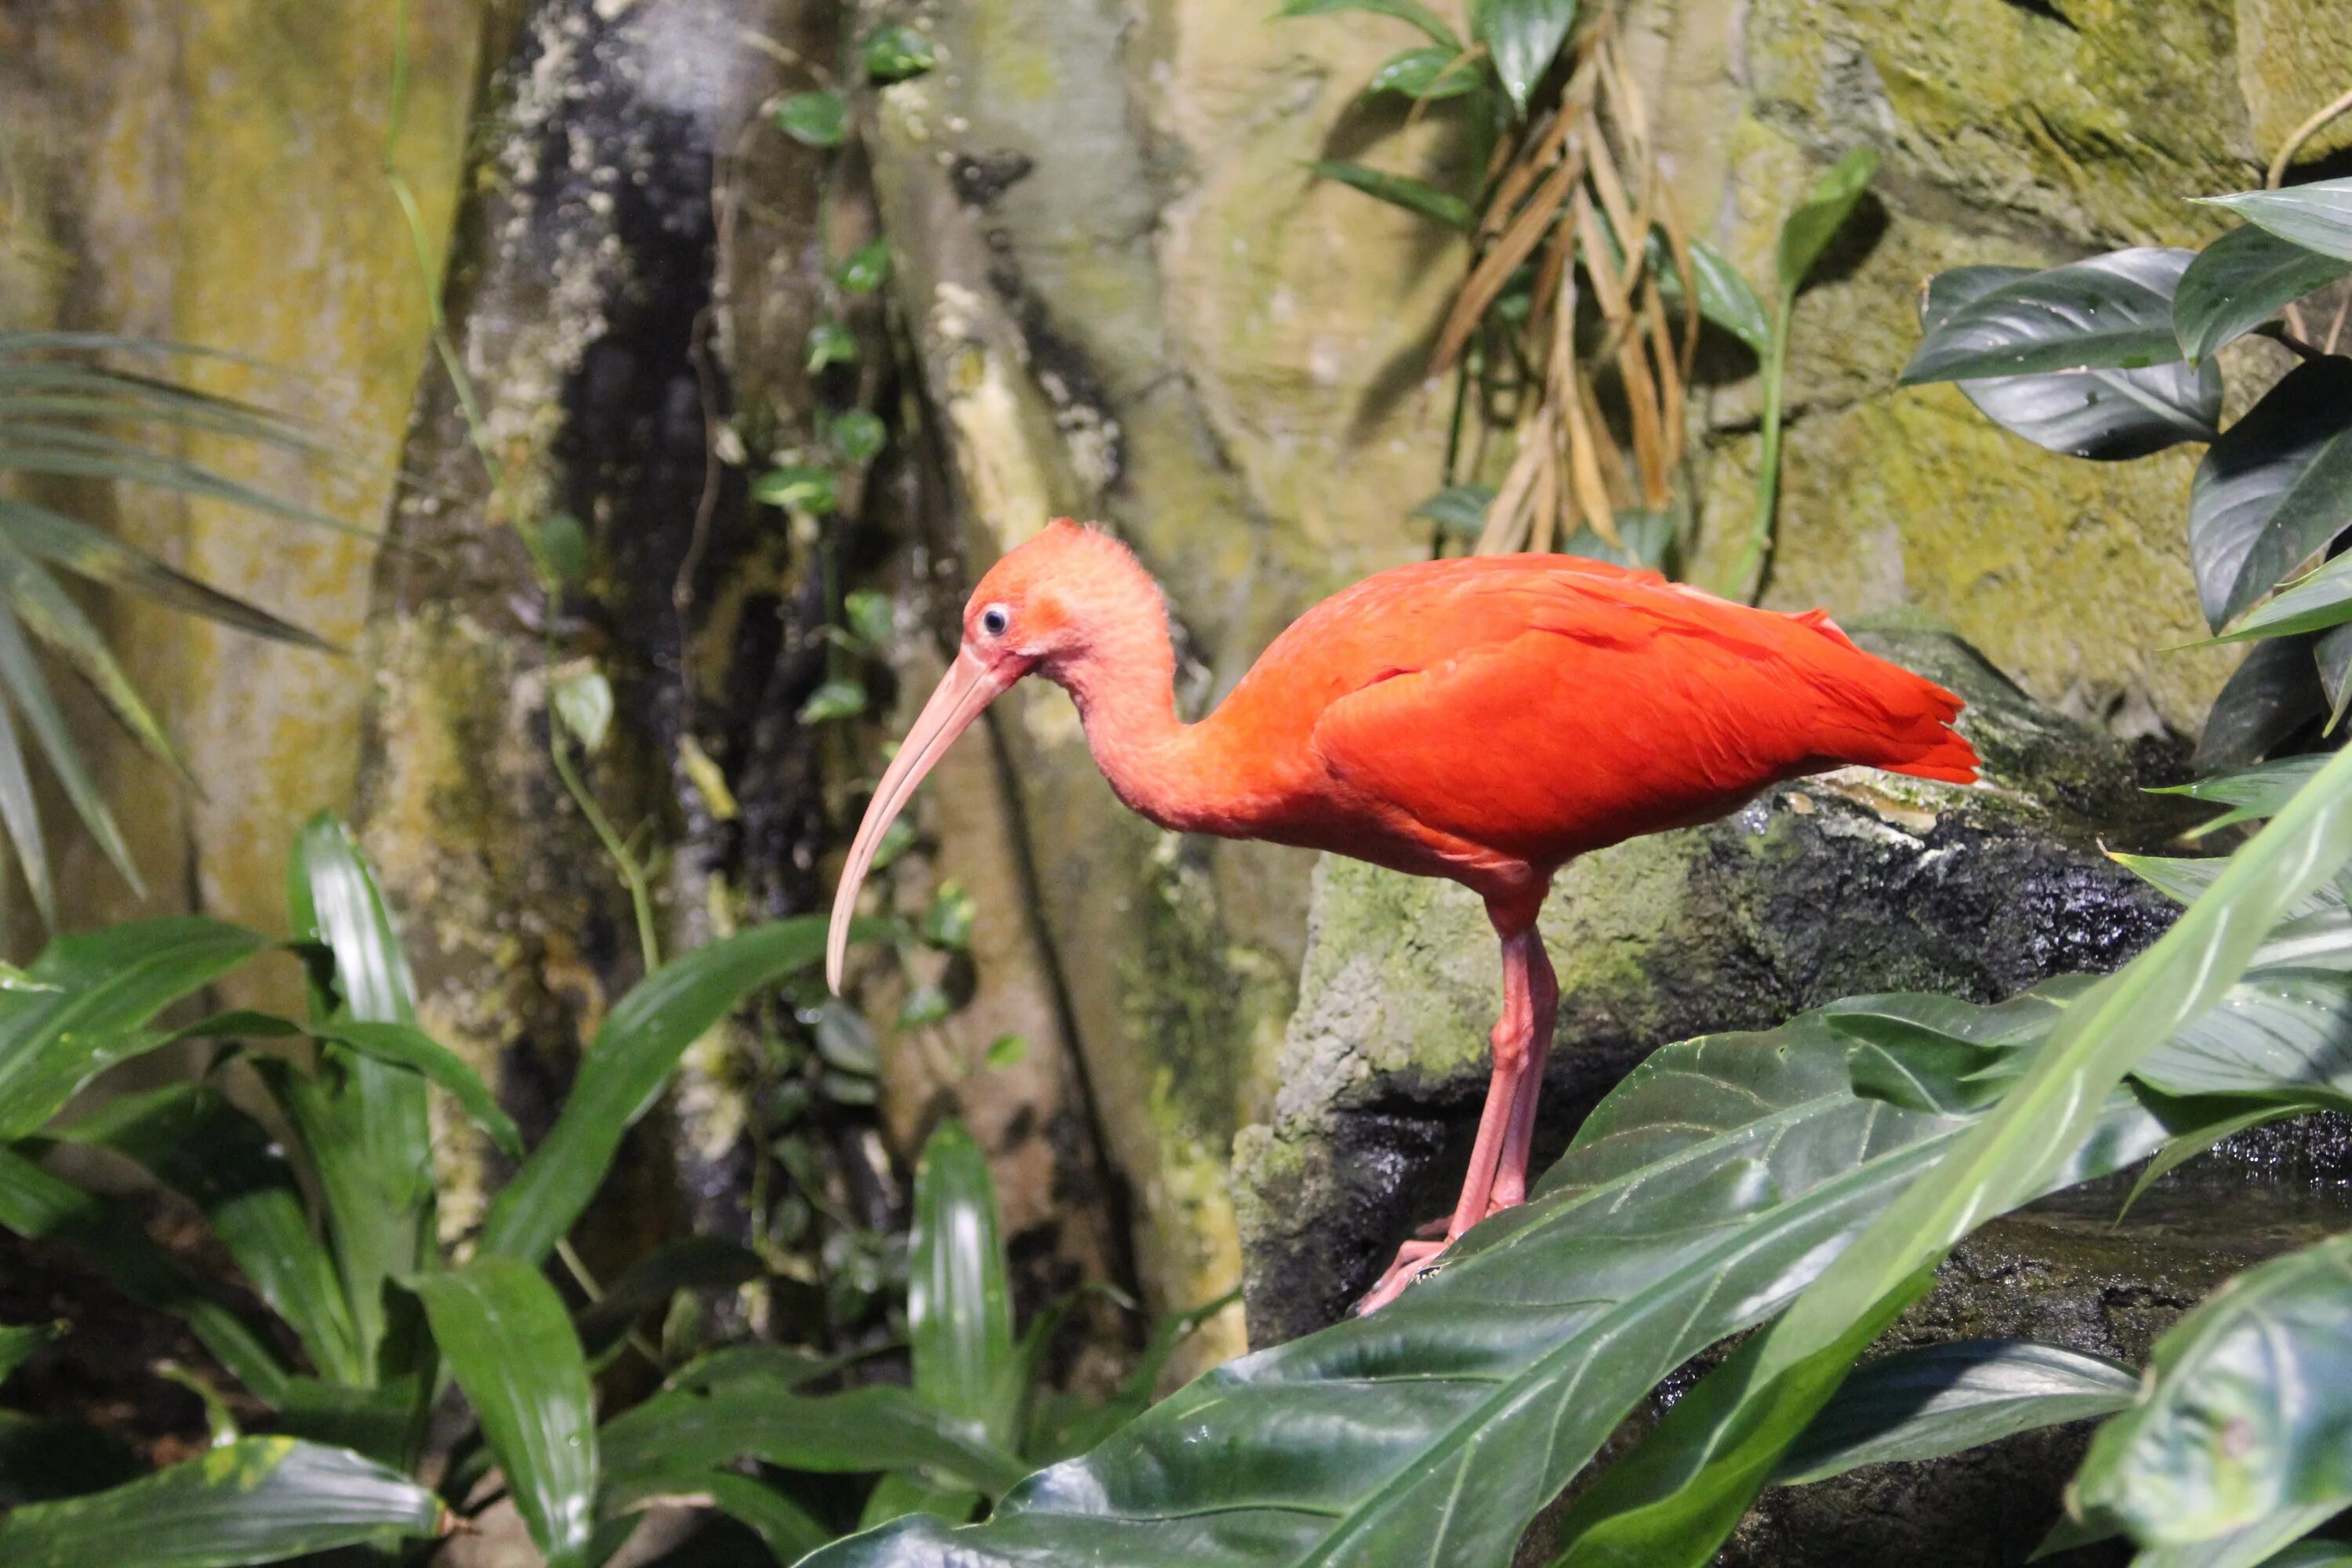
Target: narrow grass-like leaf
(18,1343)
(406,1045)
(2251,794)
(789,1531)
(41,1206)
(1939,1399)
(881,1427)
(2317,217)
(1420,16)
(691,1262)
(1807,232)
(2310,603)
(21,813)
(101,558)
(2275,489)
(1432,71)
(508,1343)
(1399,190)
(2241,281)
(46,610)
(102,991)
(263,1500)
(625,1068)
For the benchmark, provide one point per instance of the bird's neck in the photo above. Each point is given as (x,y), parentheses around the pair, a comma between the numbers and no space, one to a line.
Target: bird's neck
(1124,683)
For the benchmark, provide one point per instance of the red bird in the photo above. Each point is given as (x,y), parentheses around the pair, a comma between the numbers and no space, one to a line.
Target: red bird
(1485,719)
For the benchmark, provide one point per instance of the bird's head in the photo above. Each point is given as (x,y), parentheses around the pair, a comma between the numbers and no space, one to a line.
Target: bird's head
(1047,606)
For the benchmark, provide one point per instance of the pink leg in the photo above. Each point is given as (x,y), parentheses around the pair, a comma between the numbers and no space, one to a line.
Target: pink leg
(1529,988)
(1511,1171)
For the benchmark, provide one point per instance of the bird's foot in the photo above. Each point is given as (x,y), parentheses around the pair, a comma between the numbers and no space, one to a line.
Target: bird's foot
(1413,1259)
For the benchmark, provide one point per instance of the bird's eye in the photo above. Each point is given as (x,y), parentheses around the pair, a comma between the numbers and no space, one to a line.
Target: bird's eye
(993,620)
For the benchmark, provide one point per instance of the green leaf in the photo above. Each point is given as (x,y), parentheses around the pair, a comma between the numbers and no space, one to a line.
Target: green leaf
(1420,16)
(1398,190)
(948,918)
(831,343)
(2280,1035)
(625,1069)
(1728,298)
(1006,1051)
(98,557)
(2251,794)
(44,608)
(2241,281)
(1807,232)
(881,1427)
(2248,1397)
(409,1048)
(584,701)
(789,1531)
(857,436)
(1711,1468)
(2317,217)
(2110,312)
(191,1139)
(797,487)
(2312,603)
(814,118)
(1706,1190)
(872,620)
(29,687)
(898,54)
(21,813)
(263,1500)
(2276,487)
(845,1040)
(959,1293)
(2108,415)
(867,268)
(834,700)
(511,1346)
(689,1263)
(103,988)
(41,1206)
(18,1343)
(1524,36)
(2274,692)
(1459,510)
(2183,1147)
(1940,1399)
(1432,71)
(560,546)
(386,1423)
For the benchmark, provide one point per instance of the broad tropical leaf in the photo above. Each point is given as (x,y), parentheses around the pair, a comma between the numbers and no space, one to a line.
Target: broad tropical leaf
(263,1500)
(2241,281)
(2248,1399)
(1704,1469)
(2317,217)
(2274,489)
(1807,232)
(506,1339)
(2251,794)
(2106,416)
(1728,298)
(406,1045)
(789,1530)
(959,1299)
(1939,1399)
(1524,36)
(2310,603)
(1704,1191)
(624,1070)
(2110,312)
(98,994)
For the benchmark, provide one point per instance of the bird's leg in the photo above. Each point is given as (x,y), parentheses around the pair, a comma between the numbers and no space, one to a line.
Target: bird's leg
(1514,1041)
(1510,1188)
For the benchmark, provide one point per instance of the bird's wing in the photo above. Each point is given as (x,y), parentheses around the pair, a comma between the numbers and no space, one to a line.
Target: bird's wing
(1575,709)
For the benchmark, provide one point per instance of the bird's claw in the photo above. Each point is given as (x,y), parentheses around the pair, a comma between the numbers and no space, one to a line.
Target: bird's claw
(1413,1259)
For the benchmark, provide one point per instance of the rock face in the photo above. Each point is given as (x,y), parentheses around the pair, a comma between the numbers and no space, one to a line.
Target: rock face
(1847,883)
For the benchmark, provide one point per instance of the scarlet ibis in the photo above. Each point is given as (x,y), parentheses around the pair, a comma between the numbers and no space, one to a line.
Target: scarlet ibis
(1485,719)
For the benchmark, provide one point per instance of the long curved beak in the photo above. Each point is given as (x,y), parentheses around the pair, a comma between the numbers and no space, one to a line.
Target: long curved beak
(968,687)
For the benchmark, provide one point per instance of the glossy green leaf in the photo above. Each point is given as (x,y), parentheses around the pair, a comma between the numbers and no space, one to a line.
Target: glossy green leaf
(2110,312)
(881,1427)
(789,1531)
(1706,1189)
(689,1263)
(108,986)
(41,1206)
(625,1069)
(406,1047)
(1432,71)
(831,343)
(814,118)
(386,1423)
(2317,217)
(2283,1035)
(263,1500)
(508,1343)
(191,1139)
(897,54)
(1726,299)
(2241,281)
(867,268)
(2274,489)
(1398,190)
(2276,691)
(959,1293)
(2251,794)
(2249,1397)
(1524,36)
(333,899)
(2311,603)
(1940,1399)
(1420,16)
(1707,1471)
(1459,510)
(2106,416)
(857,436)
(1806,233)
(19,1341)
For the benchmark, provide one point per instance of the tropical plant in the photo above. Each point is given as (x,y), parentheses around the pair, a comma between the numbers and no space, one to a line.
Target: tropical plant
(67,414)
(1579,312)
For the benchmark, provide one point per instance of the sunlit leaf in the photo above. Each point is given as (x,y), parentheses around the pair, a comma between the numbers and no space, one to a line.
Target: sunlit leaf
(897,54)
(816,119)
(867,268)
(1524,36)
(2310,603)
(584,701)
(2110,312)
(2317,217)
(834,700)
(2241,281)
(1807,232)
